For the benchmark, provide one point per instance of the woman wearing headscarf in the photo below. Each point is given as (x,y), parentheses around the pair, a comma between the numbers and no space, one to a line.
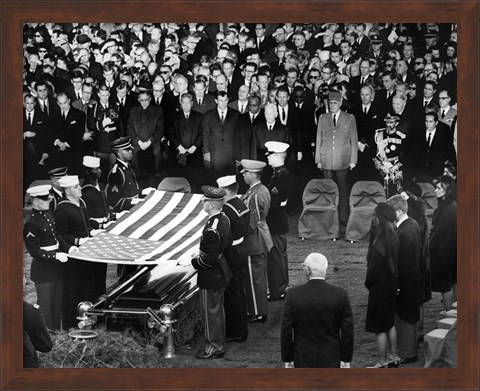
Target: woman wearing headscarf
(381,282)
(443,241)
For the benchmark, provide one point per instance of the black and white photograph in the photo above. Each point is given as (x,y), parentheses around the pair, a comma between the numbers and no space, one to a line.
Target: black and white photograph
(240,195)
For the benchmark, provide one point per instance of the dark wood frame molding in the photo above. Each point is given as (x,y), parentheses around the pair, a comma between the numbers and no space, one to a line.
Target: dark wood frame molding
(14,13)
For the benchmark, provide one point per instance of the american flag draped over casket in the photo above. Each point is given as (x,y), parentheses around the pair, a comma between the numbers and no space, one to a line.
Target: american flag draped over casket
(165,226)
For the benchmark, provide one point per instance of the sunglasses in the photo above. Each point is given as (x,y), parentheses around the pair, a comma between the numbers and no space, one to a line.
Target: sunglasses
(219,40)
(313,77)
(413,88)
(164,72)
(418,63)
(38,36)
(42,51)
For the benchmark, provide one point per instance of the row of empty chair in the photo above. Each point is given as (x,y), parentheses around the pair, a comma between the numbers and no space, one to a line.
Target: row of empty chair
(319,217)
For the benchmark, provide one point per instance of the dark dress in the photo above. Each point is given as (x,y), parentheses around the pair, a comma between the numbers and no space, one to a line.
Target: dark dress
(443,246)
(381,283)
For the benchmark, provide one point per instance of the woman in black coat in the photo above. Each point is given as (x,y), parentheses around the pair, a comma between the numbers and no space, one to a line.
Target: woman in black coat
(381,282)
(443,241)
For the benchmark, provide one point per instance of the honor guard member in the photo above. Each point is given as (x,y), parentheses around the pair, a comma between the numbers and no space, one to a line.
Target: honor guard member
(99,214)
(35,335)
(122,186)
(277,219)
(389,140)
(213,272)
(72,221)
(258,240)
(236,328)
(48,250)
(56,192)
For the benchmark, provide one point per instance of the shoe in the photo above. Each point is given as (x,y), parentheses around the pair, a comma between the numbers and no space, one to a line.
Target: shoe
(394,363)
(202,355)
(409,360)
(235,339)
(379,365)
(257,318)
(281,297)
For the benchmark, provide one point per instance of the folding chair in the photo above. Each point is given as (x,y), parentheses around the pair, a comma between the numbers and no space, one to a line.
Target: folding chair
(319,218)
(364,198)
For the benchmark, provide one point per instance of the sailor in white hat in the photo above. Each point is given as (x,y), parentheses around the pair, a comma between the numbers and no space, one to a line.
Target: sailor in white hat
(57,193)
(235,303)
(72,220)
(280,187)
(48,250)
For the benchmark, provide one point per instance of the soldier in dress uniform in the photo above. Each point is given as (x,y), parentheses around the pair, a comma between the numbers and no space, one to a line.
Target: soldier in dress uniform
(35,335)
(122,186)
(56,191)
(389,140)
(72,221)
(236,327)
(213,272)
(49,251)
(277,219)
(258,240)
(99,213)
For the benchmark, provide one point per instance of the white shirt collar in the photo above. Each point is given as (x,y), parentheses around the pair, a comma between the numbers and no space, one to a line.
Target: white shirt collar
(402,219)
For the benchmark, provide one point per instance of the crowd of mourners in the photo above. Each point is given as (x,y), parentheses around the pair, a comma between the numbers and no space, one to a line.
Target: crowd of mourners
(123,106)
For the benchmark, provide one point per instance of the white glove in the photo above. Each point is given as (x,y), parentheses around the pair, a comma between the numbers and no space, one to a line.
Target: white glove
(344,364)
(120,214)
(62,257)
(106,122)
(135,201)
(289,364)
(299,156)
(184,262)
(107,224)
(181,149)
(192,149)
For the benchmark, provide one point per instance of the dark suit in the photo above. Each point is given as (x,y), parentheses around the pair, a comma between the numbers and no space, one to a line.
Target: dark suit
(188,133)
(429,160)
(317,326)
(244,135)
(70,130)
(130,101)
(143,125)
(218,140)
(208,103)
(408,285)
(35,335)
(35,146)
(261,134)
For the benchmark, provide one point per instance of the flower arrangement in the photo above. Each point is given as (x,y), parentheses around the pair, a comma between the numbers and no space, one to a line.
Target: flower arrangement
(391,172)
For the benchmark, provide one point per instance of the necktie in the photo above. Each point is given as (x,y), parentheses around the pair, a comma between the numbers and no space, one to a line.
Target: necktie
(186,116)
(64,115)
(242,109)
(199,102)
(334,120)
(122,103)
(364,109)
(222,117)
(30,118)
(269,128)
(158,102)
(283,114)
(253,118)
(362,80)
(79,95)
(429,139)
(443,114)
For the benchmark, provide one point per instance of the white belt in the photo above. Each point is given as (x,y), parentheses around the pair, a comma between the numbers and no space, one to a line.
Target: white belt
(99,219)
(238,241)
(283,203)
(53,247)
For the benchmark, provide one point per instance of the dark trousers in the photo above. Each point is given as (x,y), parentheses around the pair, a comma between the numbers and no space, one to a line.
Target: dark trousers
(49,298)
(277,266)
(213,317)
(340,178)
(236,306)
(256,286)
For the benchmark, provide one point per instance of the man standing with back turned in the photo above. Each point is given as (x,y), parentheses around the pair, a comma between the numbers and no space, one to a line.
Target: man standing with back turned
(317,325)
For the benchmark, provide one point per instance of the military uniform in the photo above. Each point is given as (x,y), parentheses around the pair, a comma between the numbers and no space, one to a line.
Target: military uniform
(258,243)
(72,224)
(122,186)
(212,280)
(390,145)
(277,219)
(35,335)
(235,295)
(43,242)
(104,137)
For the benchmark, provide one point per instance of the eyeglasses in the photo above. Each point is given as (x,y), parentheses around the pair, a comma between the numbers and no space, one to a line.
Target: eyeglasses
(38,36)
(443,97)
(164,72)
(413,88)
(418,63)
(219,40)
(313,77)
(42,51)
(326,73)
